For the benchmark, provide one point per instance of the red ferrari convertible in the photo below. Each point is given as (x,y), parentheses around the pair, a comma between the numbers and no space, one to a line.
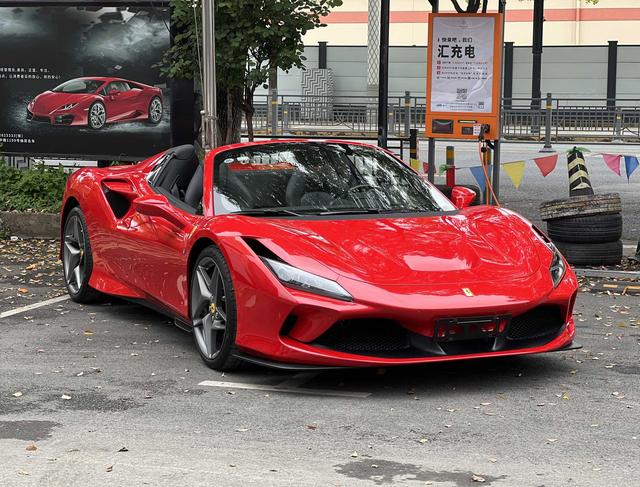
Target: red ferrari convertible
(95,102)
(315,254)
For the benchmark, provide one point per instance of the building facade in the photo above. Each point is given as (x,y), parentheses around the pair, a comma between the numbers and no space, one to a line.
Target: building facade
(567,22)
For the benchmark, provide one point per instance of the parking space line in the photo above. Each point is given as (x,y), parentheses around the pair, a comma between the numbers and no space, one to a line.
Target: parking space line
(29,307)
(285,389)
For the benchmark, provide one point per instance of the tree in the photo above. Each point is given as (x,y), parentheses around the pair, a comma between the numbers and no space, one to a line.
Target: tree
(277,41)
(252,36)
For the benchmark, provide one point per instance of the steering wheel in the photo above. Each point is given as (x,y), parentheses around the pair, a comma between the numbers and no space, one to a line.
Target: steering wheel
(358,188)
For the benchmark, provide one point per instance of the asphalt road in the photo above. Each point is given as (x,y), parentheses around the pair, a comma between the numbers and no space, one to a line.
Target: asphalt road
(111,395)
(535,189)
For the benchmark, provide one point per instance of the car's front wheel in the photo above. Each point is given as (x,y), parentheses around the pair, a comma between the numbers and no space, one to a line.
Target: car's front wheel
(77,259)
(97,115)
(213,310)
(155,110)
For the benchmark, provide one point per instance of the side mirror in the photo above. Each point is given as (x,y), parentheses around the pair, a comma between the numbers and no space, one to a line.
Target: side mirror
(158,206)
(462,197)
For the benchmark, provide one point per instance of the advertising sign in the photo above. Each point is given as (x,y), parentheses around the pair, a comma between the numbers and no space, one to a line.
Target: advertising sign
(464,74)
(80,81)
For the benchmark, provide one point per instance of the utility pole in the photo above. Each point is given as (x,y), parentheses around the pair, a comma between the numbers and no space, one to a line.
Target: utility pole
(536,72)
(383,79)
(209,94)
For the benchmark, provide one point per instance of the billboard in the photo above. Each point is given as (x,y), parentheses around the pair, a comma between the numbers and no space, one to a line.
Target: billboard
(80,81)
(464,75)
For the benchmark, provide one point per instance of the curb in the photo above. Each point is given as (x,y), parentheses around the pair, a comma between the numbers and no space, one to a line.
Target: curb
(30,225)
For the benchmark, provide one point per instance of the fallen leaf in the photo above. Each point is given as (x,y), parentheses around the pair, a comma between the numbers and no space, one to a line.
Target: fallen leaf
(109,468)
(354,454)
(65,397)
(478,478)
(17,394)
(23,472)
(88,332)
(423,440)
(23,290)
(312,427)
(123,449)
(31,447)
(242,430)
(565,396)
(374,466)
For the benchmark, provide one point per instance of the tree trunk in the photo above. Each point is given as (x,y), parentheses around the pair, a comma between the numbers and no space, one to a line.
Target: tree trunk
(249,111)
(229,116)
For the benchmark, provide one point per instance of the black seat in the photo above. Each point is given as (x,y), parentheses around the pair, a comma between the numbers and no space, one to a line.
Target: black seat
(179,171)
(193,194)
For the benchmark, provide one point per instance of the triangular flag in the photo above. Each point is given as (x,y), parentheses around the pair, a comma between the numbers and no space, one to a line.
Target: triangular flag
(515,171)
(613,162)
(478,173)
(631,164)
(547,164)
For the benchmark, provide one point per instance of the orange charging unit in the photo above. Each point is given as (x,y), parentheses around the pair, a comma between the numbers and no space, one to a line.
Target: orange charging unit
(464,76)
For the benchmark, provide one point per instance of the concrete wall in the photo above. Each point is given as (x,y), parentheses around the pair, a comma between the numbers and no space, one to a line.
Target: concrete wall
(567,71)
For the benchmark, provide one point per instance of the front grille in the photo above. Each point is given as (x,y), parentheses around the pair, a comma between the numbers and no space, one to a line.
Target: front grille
(543,321)
(366,337)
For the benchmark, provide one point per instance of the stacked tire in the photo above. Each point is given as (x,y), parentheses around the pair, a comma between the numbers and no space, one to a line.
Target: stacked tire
(586,229)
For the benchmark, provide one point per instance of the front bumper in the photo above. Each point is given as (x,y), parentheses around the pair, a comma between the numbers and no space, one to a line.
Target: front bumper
(284,326)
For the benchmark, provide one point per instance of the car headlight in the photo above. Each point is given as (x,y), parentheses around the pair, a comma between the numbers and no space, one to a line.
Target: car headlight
(558,267)
(305,281)
(68,106)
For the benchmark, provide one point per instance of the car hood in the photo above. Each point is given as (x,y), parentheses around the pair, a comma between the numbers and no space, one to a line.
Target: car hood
(49,101)
(476,245)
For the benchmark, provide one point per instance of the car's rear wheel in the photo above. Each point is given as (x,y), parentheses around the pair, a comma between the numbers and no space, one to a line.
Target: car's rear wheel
(97,115)
(155,110)
(213,310)
(77,259)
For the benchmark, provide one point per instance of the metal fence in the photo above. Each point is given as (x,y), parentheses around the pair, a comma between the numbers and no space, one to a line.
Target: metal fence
(549,119)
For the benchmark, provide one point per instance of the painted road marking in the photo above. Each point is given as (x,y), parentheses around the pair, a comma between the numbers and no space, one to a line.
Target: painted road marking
(285,389)
(29,307)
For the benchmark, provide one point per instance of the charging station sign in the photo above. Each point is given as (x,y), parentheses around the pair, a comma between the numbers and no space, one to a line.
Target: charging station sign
(464,74)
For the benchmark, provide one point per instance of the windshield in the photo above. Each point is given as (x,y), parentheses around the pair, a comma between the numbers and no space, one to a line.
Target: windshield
(290,178)
(78,86)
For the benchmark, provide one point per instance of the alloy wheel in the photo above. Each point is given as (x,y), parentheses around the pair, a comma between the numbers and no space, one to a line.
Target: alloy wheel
(155,110)
(74,254)
(97,115)
(208,307)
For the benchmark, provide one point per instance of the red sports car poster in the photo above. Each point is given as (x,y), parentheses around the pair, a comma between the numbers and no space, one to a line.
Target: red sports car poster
(83,82)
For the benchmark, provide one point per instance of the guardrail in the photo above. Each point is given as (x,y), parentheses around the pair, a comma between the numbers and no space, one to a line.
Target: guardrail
(550,119)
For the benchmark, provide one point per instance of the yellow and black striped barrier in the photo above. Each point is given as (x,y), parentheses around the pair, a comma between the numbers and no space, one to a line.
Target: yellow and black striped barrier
(579,181)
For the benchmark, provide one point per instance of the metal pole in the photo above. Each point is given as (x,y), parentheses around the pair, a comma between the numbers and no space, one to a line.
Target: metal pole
(431,148)
(407,113)
(536,72)
(209,93)
(495,177)
(274,112)
(431,160)
(451,166)
(547,124)
(383,79)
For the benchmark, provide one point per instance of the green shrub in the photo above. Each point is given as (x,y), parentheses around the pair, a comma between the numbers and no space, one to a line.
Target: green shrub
(40,189)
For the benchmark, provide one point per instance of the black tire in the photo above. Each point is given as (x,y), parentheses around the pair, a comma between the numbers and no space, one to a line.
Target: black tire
(586,229)
(80,292)
(97,123)
(595,204)
(200,310)
(446,190)
(609,253)
(152,117)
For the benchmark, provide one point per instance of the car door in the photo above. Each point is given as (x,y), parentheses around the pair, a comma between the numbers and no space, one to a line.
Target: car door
(160,228)
(128,100)
(114,101)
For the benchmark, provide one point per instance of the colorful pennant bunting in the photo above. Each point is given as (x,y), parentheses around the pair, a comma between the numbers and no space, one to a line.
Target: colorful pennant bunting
(547,164)
(478,173)
(515,171)
(613,162)
(630,164)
